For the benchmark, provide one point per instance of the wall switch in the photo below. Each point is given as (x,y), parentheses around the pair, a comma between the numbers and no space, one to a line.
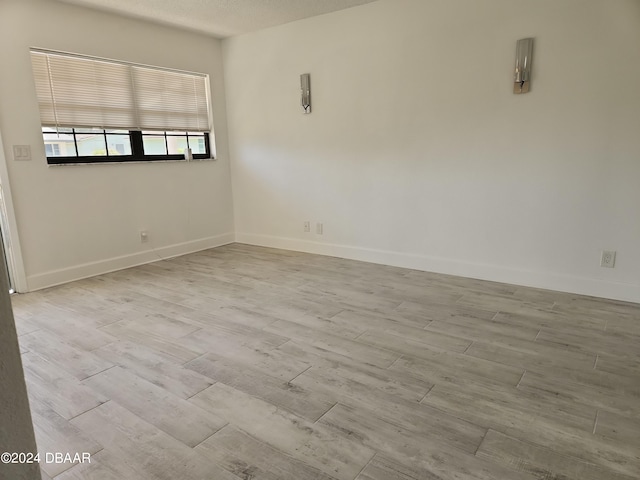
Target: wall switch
(144,236)
(21,152)
(608,259)
(307,227)
(319,228)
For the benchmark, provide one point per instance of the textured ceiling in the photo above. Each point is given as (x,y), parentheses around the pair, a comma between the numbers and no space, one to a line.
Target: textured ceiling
(221,18)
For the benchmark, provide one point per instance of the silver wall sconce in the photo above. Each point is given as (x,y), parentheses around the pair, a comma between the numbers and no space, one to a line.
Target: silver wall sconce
(522,76)
(305,86)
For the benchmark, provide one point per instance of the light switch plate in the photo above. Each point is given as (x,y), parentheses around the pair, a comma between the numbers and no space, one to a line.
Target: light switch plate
(22,152)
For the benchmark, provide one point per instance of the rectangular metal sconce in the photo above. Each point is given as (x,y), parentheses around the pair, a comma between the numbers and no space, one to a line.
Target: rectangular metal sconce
(522,76)
(305,85)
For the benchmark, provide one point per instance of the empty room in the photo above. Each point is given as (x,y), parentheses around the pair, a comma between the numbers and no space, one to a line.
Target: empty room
(320,239)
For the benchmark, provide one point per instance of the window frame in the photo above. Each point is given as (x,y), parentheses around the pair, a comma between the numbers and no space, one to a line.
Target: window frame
(137,150)
(75,91)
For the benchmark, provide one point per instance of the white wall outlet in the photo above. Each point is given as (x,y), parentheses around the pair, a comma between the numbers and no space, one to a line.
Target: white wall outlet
(144,236)
(319,228)
(307,227)
(608,259)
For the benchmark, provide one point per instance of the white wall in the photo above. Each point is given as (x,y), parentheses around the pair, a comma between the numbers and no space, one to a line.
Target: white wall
(418,154)
(83,220)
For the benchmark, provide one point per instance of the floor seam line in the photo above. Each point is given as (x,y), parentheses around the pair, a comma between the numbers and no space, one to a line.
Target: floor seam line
(428,392)
(330,408)
(366,465)
(304,371)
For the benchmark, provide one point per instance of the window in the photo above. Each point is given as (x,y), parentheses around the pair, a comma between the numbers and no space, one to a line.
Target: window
(52,149)
(94,110)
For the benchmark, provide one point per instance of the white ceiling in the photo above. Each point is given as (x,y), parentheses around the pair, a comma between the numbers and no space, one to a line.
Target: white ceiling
(221,18)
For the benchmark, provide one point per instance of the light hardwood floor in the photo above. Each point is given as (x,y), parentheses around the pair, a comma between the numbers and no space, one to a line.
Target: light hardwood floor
(251,363)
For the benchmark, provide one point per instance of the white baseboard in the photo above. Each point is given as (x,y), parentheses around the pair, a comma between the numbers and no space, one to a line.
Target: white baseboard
(526,278)
(85,270)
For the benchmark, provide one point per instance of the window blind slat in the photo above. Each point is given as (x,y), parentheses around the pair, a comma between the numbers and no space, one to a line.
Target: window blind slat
(75,91)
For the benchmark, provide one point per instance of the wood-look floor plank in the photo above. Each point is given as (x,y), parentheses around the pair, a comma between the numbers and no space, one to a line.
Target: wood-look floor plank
(75,361)
(443,311)
(158,369)
(432,458)
(147,450)
(602,343)
(619,366)
(158,324)
(531,317)
(25,324)
(487,330)
(599,389)
(497,302)
(410,415)
(104,465)
(618,427)
(404,384)
(292,397)
(51,386)
(249,458)
(173,347)
(357,350)
(173,415)
(540,461)
(341,381)
(228,312)
(623,324)
(414,345)
(381,468)
(437,366)
(56,434)
(78,330)
(377,320)
(540,419)
(532,355)
(273,362)
(332,325)
(334,454)
(509,408)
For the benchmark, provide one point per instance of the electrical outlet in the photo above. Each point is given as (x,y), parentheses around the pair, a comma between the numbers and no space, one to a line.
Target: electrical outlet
(319,228)
(144,236)
(307,227)
(608,259)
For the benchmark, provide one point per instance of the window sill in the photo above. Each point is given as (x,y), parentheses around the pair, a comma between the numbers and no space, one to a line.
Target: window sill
(136,162)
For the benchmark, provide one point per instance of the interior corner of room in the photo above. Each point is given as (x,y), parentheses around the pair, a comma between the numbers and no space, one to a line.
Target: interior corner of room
(416,153)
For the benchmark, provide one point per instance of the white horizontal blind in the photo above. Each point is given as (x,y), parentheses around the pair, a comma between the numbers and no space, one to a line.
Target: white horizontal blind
(75,91)
(169,100)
